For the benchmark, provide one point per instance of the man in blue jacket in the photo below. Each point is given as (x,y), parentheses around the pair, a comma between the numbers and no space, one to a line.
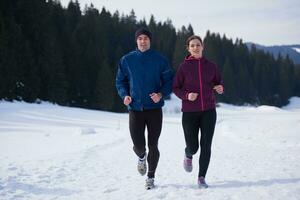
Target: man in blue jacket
(144,78)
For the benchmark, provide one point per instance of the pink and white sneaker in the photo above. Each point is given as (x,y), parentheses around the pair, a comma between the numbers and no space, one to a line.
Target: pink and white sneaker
(201,182)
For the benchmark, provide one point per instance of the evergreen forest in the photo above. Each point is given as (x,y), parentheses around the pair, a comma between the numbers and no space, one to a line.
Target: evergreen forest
(69,56)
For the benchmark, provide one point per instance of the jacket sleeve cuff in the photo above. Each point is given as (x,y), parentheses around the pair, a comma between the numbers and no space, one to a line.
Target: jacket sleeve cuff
(123,95)
(186,96)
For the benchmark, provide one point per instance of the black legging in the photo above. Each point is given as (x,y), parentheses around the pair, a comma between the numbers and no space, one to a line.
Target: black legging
(138,120)
(191,122)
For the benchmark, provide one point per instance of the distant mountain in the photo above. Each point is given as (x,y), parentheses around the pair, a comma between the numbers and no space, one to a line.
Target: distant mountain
(293,51)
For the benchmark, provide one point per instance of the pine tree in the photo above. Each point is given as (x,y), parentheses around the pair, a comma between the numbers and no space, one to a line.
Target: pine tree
(17,81)
(104,88)
(2,55)
(245,86)
(285,81)
(210,49)
(52,69)
(180,50)
(297,80)
(230,96)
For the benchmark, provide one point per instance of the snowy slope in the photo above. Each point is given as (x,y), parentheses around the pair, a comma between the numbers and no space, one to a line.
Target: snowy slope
(293,51)
(297,49)
(54,152)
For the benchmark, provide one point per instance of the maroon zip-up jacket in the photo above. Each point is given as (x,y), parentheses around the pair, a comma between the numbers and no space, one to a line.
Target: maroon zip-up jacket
(198,76)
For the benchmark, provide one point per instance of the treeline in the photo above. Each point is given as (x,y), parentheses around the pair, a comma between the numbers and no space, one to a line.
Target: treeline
(69,57)
(252,77)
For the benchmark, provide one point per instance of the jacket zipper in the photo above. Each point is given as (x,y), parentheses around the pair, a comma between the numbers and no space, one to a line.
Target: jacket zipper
(200,80)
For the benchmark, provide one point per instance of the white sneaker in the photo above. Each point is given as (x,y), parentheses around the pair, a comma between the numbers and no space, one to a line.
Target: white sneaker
(142,165)
(149,183)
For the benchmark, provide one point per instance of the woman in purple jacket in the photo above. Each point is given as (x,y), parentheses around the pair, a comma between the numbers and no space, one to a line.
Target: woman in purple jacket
(195,83)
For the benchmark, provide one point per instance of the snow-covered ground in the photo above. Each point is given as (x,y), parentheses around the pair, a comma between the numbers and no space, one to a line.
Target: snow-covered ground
(54,152)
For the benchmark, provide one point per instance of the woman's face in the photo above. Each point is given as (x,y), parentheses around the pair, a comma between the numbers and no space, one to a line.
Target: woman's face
(195,48)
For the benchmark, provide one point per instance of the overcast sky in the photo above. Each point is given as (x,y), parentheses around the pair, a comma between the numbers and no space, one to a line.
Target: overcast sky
(266,22)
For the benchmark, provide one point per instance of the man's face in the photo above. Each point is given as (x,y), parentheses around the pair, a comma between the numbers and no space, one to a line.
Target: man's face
(143,42)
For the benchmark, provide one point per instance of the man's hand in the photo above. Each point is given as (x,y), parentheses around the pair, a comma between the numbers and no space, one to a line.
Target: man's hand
(155,97)
(127,100)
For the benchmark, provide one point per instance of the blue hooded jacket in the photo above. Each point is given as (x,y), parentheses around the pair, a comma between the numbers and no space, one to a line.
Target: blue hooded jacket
(142,73)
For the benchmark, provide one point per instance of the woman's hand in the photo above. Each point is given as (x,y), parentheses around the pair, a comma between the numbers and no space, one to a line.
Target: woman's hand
(192,96)
(219,89)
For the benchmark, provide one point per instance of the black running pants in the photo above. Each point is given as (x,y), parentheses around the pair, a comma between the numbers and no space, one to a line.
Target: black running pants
(191,123)
(138,121)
